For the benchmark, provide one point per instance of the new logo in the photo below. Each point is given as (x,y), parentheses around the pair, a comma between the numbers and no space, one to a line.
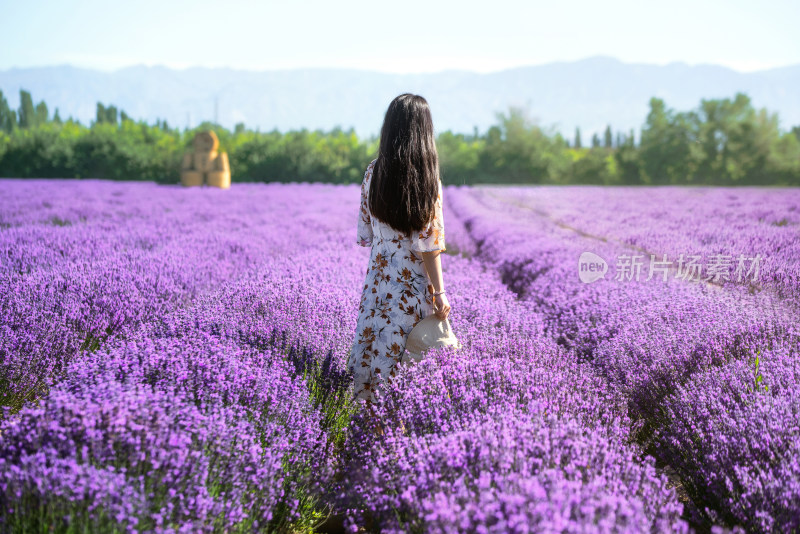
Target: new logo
(591,267)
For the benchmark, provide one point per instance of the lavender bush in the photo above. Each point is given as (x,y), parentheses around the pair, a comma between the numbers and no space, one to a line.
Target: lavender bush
(174,360)
(673,221)
(649,339)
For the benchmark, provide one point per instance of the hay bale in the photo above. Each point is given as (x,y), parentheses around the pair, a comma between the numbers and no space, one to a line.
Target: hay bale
(188,162)
(205,142)
(204,161)
(191,178)
(221,163)
(205,165)
(221,179)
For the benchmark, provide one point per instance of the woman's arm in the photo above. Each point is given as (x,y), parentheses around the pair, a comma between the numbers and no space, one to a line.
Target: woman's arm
(433,265)
(364,219)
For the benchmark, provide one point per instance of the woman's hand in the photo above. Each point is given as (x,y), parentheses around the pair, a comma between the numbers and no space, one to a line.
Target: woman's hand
(441,306)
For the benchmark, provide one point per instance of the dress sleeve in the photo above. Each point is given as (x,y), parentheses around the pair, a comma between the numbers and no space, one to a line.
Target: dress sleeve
(432,237)
(364,221)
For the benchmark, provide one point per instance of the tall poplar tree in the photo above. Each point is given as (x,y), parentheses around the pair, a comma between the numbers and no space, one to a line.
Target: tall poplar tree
(27,115)
(111,115)
(41,114)
(100,114)
(8,119)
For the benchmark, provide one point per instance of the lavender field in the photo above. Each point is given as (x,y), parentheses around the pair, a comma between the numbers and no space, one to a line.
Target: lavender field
(173,360)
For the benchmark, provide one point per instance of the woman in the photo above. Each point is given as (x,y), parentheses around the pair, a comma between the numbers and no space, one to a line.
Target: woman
(401,219)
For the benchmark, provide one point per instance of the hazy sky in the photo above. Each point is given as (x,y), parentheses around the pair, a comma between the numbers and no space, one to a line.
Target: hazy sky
(408,36)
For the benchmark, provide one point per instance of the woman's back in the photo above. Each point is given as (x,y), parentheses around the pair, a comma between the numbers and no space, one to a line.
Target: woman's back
(378,232)
(397,292)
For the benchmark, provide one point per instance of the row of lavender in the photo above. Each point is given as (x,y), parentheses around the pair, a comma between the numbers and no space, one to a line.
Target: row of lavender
(81,262)
(711,375)
(177,359)
(124,429)
(564,463)
(746,237)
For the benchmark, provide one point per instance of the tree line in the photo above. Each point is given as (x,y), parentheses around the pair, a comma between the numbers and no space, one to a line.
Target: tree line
(721,142)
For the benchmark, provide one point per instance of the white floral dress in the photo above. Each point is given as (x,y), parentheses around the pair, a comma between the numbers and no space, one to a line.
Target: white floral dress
(397,293)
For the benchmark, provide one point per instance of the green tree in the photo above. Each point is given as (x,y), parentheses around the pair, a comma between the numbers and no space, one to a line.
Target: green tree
(100,114)
(735,140)
(577,143)
(111,115)
(667,145)
(41,113)
(608,137)
(8,118)
(44,151)
(519,151)
(106,115)
(27,114)
(735,143)
(595,167)
(783,164)
(628,162)
(459,156)
(595,140)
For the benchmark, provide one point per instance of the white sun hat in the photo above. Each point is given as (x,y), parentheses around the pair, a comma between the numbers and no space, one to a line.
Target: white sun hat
(429,333)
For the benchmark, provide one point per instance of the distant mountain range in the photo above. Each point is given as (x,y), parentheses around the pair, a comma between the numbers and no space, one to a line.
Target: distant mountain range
(590,93)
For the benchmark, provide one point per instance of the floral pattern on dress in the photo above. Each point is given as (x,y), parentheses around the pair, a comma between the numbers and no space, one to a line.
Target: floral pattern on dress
(397,293)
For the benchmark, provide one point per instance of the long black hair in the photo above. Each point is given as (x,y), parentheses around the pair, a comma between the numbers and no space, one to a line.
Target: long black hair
(405,179)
